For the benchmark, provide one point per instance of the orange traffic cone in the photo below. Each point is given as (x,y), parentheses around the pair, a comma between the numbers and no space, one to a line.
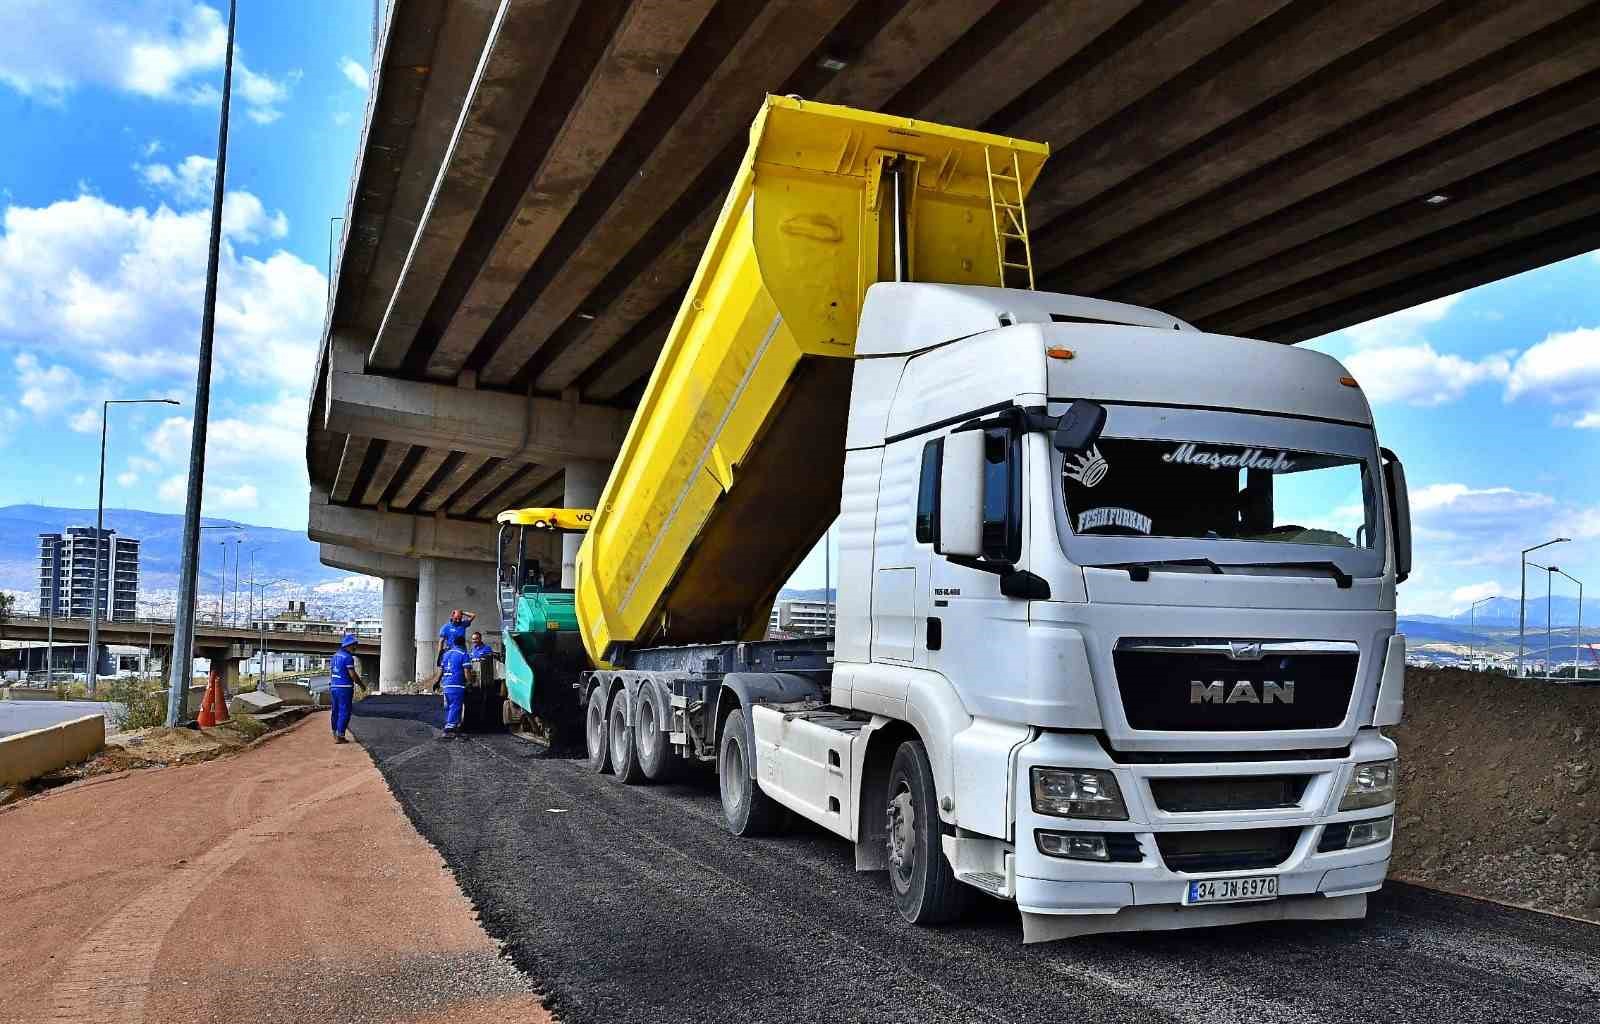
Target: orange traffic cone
(207,716)
(219,707)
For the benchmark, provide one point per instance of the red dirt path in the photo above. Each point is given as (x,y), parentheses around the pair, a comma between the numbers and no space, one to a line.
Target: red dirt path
(284,884)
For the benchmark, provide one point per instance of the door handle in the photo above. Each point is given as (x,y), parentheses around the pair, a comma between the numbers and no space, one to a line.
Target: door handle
(935,633)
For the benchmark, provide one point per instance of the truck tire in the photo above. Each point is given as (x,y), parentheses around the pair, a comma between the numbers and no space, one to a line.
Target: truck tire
(925,888)
(748,811)
(594,732)
(624,757)
(656,758)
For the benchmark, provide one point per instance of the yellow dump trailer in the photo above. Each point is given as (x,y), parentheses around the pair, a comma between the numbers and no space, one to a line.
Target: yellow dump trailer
(731,470)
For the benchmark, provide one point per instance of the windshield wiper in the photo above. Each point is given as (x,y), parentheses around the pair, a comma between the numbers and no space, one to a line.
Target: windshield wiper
(1340,577)
(1139,572)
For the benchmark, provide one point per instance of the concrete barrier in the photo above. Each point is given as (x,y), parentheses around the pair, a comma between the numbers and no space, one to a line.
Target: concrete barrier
(291,693)
(28,755)
(28,693)
(253,703)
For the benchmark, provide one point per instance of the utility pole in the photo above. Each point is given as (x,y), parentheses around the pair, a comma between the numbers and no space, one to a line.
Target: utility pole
(183,629)
(1473,627)
(1577,641)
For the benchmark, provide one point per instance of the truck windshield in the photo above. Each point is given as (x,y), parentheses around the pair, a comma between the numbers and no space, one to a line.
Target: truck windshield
(1166,484)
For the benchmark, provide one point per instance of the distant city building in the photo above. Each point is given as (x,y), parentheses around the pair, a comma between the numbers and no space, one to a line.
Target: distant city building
(295,619)
(367,627)
(66,574)
(801,618)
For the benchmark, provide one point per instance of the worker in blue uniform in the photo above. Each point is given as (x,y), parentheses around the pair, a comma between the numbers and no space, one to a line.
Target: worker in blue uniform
(453,679)
(480,651)
(343,678)
(454,632)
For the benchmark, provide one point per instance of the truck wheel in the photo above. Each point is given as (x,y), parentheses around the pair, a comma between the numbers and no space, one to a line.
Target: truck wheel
(594,732)
(749,811)
(624,760)
(656,758)
(925,888)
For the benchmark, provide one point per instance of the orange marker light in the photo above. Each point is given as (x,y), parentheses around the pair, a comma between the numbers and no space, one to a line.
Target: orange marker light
(1349,382)
(1057,352)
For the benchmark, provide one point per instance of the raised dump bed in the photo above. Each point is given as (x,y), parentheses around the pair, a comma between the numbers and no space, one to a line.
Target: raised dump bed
(731,469)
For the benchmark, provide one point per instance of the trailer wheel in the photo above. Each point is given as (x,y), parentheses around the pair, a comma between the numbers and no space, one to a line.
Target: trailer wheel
(749,812)
(925,888)
(594,732)
(650,736)
(624,759)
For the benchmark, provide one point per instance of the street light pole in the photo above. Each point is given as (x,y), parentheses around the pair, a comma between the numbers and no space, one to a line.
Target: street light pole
(1522,602)
(1549,590)
(183,629)
(1577,643)
(1472,628)
(91,668)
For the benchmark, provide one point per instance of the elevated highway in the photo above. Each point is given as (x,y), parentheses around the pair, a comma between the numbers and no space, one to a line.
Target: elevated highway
(536,181)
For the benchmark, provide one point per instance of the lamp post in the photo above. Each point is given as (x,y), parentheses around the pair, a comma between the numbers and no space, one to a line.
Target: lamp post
(261,628)
(1472,628)
(1522,603)
(1577,643)
(91,668)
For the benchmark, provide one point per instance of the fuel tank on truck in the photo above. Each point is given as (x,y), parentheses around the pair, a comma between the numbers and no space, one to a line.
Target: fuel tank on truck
(732,467)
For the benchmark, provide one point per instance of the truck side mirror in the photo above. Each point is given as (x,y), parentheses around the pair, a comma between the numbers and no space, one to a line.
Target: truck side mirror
(1394,478)
(961,495)
(1080,426)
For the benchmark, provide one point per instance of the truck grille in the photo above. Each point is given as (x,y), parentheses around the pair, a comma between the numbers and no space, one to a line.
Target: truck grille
(1245,793)
(1231,850)
(1221,686)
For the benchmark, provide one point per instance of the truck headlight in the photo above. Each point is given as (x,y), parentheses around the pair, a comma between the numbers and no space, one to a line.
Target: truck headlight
(1078,793)
(1371,785)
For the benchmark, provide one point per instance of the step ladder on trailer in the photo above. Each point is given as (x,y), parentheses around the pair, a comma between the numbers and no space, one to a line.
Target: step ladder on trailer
(1013,250)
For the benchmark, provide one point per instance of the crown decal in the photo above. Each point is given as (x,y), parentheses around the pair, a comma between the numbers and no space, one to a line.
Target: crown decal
(1088,469)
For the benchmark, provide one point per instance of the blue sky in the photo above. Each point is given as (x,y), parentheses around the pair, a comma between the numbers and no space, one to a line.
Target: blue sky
(1492,397)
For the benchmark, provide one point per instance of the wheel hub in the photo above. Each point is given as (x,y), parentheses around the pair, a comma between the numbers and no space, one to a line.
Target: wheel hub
(902,822)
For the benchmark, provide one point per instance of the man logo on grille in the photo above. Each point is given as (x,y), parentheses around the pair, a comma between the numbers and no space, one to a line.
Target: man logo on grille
(1242,692)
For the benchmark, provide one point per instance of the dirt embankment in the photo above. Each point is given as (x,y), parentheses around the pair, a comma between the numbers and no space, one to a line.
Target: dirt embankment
(1498,789)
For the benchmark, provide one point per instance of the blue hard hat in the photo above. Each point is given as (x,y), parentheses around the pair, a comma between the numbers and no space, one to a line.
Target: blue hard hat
(348,640)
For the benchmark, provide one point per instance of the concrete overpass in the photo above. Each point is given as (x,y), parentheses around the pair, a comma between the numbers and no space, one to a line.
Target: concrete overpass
(536,181)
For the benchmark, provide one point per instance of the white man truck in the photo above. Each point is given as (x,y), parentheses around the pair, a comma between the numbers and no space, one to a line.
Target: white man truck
(1115,629)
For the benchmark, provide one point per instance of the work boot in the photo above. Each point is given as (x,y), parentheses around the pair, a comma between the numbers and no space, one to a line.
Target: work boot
(339,738)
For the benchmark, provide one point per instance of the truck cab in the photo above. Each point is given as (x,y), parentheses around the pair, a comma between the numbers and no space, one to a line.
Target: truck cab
(1155,656)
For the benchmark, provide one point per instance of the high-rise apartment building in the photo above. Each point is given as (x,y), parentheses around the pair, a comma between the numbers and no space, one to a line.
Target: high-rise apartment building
(66,573)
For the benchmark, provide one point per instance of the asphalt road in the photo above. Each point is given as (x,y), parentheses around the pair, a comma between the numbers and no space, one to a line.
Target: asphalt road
(632,904)
(23,715)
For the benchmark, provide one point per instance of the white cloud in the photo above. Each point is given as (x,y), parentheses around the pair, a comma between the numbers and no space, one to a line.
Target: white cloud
(354,72)
(87,421)
(1563,369)
(247,446)
(151,148)
(238,498)
(1472,593)
(189,181)
(127,479)
(343,117)
(44,390)
(1403,327)
(160,49)
(122,289)
(1419,375)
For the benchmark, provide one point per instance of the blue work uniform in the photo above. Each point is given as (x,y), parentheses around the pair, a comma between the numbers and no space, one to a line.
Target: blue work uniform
(454,684)
(481,652)
(341,688)
(454,634)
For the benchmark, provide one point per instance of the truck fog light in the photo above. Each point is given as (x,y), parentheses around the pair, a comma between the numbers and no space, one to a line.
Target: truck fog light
(1078,793)
(1371,785)
(1365,833)
(1072,845)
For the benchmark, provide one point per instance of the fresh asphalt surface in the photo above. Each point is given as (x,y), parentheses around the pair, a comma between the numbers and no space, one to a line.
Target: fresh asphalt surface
(632,904)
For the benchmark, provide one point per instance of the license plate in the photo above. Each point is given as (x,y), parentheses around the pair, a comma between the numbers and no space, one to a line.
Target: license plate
(1231,890)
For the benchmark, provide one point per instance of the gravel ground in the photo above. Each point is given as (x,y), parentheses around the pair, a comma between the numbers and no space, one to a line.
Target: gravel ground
(632,904)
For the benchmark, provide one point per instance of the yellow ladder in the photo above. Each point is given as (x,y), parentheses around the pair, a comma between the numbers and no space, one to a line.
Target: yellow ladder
(1010,217)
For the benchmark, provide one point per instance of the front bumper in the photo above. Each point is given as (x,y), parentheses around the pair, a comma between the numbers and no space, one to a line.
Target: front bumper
(1338,880)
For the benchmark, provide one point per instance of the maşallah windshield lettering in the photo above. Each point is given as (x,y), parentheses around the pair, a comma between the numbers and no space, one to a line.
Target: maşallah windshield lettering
(1135,487)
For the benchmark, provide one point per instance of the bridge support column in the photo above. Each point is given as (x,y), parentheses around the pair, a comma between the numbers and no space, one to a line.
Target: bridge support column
(444,584)
(398,650)
(584,480)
